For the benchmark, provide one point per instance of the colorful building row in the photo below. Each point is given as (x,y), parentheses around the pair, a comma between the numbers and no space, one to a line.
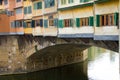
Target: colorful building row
(96,19)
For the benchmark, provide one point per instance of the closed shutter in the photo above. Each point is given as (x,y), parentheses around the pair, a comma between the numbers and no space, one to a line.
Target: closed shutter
(46,23)
(91,21)
(14,24)
(116,19)
(24,24)
(46,3)
(61,24)
(41,22)
(25,10)
(97,20)
(39,5)
(33,23)
(29,9)
(35,6)
(77,22)
(56,22)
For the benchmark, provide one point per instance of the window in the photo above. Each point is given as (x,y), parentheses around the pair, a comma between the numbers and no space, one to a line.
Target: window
(37,22)
(27,10)
(18,0)
(70,1)
(107,20)
(84,21)
(11,13)
(63,2)
(37,5)
(68,23)
(18,10)
(49,3)
(1,2)
(5,2)
(51,22)
(29,24)
(12,24)
(19,23)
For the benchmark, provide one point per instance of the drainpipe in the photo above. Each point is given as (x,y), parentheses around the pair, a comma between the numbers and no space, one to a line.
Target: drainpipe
(119,34)
(94,17)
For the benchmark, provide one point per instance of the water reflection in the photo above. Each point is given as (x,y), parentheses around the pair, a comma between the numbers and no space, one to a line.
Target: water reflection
(104,67)
(101,65)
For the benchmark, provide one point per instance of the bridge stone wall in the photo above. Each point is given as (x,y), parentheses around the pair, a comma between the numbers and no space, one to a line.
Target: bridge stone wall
(57,56)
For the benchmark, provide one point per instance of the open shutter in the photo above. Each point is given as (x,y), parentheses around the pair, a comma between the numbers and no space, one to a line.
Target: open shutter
(46,23)
(61,24)
(33,23)
(97,20)
(116,19)
(91,21)
(55,22)
(77,22)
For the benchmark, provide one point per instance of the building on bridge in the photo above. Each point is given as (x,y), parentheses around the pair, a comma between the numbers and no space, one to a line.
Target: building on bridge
(97,19)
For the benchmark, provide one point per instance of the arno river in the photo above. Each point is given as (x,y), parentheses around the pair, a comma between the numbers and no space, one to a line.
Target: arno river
(101,65)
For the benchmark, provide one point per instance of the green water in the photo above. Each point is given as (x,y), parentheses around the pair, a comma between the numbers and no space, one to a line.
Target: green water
(101,65)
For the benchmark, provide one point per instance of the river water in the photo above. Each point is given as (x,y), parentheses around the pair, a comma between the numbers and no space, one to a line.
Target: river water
(101,65)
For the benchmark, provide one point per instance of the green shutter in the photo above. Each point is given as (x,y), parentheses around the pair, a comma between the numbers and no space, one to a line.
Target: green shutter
(46,23)
(35,6)
(56,22)
(25,10)
(33,23)
(61,24)
(77,22)
(116,19)
(91,21)
(97,20)
(39,5)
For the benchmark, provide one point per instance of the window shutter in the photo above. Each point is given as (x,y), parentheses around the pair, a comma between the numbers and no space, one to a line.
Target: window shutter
(41,22)
(77,22)
(116,19)
(33,23)
(46,23)
(35,6)
(24,24)
(91,21)
(25,10)
(46,3)
(97,20)
(60,24)
(39,5)
(13,24)
(56,22)
(29,10)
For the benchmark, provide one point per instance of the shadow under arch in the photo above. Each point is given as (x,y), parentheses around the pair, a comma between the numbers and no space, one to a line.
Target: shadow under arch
(54,56)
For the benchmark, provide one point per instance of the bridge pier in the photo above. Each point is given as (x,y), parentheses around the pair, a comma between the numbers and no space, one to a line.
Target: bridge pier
(11,60)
